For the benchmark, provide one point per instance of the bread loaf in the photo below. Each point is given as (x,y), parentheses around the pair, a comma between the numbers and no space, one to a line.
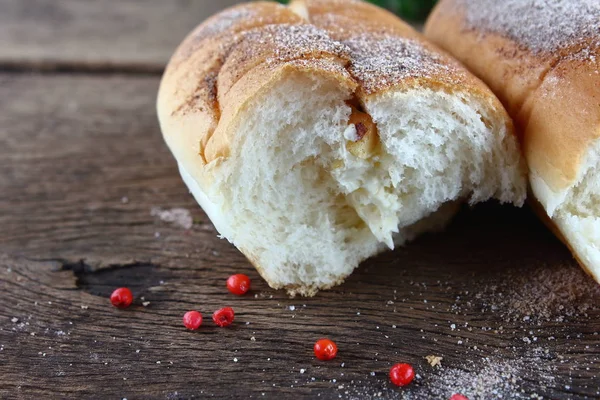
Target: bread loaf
(542,59)
(317,135)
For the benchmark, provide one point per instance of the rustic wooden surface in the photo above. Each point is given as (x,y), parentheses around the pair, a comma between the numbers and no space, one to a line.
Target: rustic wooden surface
(91,35)
(82,165)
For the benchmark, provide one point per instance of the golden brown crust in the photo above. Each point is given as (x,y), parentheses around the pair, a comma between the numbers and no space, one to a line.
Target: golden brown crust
(386,52)
(190,83)
(380,52)
(553,93)
(564,121)
(511,71)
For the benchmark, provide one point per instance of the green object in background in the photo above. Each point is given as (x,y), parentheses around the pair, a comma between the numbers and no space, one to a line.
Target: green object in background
(414,10)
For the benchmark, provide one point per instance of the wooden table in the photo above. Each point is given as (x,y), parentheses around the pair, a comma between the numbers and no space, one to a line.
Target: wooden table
(82,166)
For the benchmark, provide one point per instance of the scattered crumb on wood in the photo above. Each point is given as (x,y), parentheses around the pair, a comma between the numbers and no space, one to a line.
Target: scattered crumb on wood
(179,217)
(434,360)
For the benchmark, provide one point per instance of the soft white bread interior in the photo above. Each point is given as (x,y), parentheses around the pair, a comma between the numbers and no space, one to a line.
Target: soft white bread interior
(576,210)
(542,59)
(312,149)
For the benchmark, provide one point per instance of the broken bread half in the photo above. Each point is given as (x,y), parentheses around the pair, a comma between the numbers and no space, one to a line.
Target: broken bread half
(542,59)
(317,135)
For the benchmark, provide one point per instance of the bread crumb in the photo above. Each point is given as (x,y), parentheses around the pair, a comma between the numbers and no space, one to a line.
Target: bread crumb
(434,360)
(179,217)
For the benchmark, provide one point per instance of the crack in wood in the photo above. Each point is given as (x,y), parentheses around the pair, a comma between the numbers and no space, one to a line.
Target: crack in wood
(137,276)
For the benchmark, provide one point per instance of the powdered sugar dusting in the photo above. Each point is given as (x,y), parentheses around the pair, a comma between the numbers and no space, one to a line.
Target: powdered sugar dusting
(490,378)
(375,61)
(384,60)
(540,25)
(556,294)
(288,42)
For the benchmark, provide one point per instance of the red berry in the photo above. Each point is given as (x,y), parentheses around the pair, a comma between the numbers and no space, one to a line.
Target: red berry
(192,320)
(121,298)
(238,284)
(325,349)
(402,374)
(458,397)
(224,316)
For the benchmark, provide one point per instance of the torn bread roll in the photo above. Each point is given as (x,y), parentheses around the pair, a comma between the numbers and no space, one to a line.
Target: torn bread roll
(316,135)
(542,59)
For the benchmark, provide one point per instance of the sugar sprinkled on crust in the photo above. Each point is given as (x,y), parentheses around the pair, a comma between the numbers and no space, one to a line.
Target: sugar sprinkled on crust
(382,61)
(290,42)
(376,62)
(540,25)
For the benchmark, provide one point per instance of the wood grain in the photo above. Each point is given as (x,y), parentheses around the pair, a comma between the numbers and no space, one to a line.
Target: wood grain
(130,35)
(82,164)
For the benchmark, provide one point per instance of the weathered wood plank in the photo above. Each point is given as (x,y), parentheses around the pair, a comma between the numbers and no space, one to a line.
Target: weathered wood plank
(97,34)
(82,165)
